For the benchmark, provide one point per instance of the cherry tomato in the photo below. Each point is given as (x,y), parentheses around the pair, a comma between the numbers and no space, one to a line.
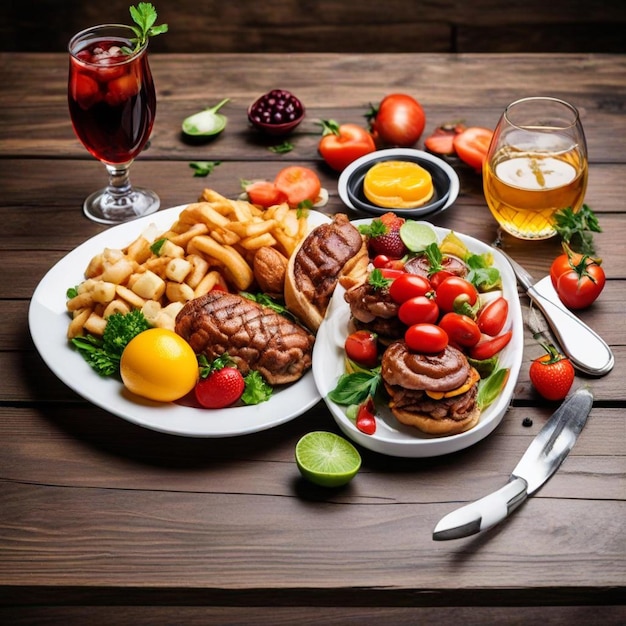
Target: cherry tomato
(381,260)
(492,317)
(391,272)
(298,184)
(578,279)
(428,338)
(489,347)
(362,347)
(461,329)
(264,193)
(366,417)
(455,290)
(417,310)
(408,286)
(552,375)
(399,120)
(472,144)
(438,277)
(342,144)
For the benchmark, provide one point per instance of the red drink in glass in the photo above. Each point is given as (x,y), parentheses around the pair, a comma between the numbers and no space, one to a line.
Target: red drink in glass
(112,100)
(112,106)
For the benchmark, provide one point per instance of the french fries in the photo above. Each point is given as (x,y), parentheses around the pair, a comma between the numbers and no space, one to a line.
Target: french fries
(212,243)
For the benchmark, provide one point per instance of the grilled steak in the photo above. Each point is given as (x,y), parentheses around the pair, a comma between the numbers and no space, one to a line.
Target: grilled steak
(331,253)
(254,336)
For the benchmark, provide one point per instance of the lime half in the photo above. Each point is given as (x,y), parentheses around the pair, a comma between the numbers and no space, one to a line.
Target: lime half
(417,236)
(327,459)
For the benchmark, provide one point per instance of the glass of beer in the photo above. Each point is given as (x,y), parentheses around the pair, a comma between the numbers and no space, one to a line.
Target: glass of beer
(535,166)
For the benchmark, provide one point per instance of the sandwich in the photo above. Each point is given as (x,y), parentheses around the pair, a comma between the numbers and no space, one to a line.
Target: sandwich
(435,393)
(332,253)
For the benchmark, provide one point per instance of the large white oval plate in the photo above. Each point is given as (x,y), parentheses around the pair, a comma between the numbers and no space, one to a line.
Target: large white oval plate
(392,437)
(48,320)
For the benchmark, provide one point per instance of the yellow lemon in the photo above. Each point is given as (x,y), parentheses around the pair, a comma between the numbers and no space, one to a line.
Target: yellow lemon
(159,365)
(398,185)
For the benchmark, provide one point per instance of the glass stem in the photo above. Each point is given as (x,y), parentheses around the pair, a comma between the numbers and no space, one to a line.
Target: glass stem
(119,179)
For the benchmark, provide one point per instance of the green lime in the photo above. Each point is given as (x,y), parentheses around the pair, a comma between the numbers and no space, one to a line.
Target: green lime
(417,236)
(327,459)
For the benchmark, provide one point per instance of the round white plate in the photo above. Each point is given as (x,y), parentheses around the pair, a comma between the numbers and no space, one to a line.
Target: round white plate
(48,320)
(342,183)
(392,437)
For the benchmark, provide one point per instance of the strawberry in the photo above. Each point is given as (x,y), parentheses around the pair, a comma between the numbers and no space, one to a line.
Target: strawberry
(221,388)
(383,236)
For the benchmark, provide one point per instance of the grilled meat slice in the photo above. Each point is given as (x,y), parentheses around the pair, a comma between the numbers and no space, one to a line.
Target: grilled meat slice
(331,253)
(254,336)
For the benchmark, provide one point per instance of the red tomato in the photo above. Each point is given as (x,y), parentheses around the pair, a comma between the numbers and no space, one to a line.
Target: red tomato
(408,286)
(362,347)
(552,375)
(578,279)
(391,273)
(366,417)
(427,338)
(299,184)
(441,141)
(342,144)
(399,120)
(472,144)
(455,290)
(417,310)
(461,330)
(490,347)
(438,277)
(492,317)
(264,193)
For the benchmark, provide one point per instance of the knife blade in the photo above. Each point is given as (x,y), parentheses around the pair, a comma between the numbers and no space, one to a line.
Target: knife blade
(542,458)
(587,351)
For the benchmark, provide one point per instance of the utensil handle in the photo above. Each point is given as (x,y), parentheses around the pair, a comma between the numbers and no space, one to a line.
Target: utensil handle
(585,348)
(482,514)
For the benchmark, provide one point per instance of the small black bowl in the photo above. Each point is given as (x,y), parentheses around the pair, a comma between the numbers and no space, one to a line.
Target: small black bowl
(445,182)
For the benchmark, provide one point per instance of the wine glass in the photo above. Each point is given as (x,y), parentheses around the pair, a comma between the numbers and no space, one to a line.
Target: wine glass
(112,106)
(536,165)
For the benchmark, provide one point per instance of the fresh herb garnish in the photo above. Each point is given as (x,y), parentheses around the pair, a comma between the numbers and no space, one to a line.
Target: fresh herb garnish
(103,354)
(203,168)
(257,389)
(281,148)
(482,274)
(156,247)
(377,280)
(356,387)
(269,302)
(576,229)
(144,15)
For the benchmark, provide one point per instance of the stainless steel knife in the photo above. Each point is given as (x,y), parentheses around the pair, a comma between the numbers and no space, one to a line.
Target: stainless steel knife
(542,458)
(587,351)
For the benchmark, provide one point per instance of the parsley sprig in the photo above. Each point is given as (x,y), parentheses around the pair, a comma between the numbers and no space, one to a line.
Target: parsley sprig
(144,15)
(576,229)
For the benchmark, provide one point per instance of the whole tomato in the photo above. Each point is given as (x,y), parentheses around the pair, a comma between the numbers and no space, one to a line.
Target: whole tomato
(417,310)
(492,317)
(453,292)
(409,286)
(578,279)
(343,143)
(425,337)
(552,374)
(361,347)
(461,329)
(398,120)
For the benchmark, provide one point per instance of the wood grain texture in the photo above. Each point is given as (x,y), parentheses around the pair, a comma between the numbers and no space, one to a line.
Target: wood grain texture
(288,26)
(100,518)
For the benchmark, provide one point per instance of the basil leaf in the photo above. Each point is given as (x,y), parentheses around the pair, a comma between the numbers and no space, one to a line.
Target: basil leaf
(354,388)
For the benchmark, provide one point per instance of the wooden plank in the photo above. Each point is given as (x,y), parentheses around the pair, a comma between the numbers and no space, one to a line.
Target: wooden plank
(332,25)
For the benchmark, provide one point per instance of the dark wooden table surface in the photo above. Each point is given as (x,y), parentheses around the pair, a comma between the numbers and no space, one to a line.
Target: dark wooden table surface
(102,521)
